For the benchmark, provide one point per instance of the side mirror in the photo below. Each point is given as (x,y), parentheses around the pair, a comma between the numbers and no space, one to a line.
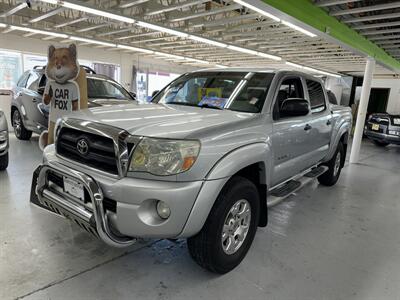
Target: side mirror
(133,95)
(294,107)
(40,90)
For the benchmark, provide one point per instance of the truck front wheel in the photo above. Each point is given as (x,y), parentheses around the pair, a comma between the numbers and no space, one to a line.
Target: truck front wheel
(230,227)
(335,164)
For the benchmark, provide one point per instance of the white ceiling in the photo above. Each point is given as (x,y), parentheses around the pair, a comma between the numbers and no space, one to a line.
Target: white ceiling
(193,32)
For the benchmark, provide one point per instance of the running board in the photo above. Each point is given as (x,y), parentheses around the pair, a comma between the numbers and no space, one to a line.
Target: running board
(283,191)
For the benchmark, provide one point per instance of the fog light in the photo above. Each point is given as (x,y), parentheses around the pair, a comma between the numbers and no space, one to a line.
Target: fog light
(163,210)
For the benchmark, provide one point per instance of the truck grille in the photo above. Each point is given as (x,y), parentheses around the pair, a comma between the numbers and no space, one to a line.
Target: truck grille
(87,148)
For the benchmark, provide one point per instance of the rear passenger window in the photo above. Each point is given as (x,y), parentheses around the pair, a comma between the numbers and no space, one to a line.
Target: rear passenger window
(317,96)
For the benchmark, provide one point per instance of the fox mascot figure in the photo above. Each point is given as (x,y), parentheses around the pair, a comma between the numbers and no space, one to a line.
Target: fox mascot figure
(62,92)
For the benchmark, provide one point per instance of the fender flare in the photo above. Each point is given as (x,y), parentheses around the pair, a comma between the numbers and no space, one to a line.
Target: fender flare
(218,176)
(342,130)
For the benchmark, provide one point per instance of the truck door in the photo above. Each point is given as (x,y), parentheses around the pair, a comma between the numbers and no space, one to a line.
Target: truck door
(321,122)
(291,139)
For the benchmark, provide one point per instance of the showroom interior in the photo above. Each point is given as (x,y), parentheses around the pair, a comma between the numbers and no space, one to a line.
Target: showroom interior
(241,186)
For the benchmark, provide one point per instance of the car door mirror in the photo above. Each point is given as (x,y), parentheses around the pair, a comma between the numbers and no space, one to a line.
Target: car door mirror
(133,95)
(154,93)
(40,90)
(294,107)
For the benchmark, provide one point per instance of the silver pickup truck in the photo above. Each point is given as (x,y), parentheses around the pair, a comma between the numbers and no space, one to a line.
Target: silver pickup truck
(203,161)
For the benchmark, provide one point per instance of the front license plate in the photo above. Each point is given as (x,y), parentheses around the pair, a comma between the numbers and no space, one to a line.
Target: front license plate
(375,126)
(74,188)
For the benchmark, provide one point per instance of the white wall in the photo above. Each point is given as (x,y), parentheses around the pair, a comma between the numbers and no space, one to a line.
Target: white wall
(125,60)
(394,96)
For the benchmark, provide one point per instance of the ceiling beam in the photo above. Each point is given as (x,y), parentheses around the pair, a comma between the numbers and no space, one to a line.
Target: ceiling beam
(364,9)
(334,2)
(47,15)
(13,10)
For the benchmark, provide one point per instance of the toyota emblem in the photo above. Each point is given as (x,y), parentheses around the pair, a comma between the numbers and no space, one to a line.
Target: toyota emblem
(82,146)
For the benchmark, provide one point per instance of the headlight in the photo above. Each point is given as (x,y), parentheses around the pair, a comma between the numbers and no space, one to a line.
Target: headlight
(3,136)
(163,156)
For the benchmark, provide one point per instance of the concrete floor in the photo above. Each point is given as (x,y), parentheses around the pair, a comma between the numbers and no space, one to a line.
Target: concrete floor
(341,242)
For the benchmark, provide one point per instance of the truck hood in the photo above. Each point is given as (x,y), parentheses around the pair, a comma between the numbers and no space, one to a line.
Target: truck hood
(161,120)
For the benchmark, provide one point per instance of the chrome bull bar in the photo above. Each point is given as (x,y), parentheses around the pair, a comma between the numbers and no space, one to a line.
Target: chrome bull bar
(98,218)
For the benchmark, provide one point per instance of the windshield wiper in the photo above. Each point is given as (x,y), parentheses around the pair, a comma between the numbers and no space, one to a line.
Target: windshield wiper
(181,103)
(206,105)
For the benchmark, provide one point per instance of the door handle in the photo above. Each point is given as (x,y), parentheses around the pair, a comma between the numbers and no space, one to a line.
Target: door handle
(329,122)
(307,127)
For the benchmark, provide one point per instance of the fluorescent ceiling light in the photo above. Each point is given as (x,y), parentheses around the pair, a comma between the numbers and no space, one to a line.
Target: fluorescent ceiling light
(135,49)
(298,28)
(97,12)
(294,65)
(197,60)
(162,29)
(254,52)
(259,10)
(3,25)
(207,41)
(77,38)
(27,29)
(169,55)
(220,66)
(266,55)
(244,50)
(50,1)
(312,69)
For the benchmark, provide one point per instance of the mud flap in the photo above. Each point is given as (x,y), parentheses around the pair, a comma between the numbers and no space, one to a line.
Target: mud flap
(34,198)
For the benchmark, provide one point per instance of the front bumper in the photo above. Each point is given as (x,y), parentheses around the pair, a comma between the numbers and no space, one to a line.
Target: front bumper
(135,215)
(383,137)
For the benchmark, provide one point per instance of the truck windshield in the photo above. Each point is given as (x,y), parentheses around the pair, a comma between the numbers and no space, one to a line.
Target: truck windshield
(106,89)
(239,91)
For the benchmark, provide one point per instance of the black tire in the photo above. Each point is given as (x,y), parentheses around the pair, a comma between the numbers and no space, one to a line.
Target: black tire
(380,143)
(331,176)
(19,129)
(206,247)
(3,162)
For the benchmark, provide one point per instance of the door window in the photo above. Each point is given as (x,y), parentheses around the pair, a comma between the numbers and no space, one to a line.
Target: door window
(22,81)
(32,79)
(317,96)
(289,88)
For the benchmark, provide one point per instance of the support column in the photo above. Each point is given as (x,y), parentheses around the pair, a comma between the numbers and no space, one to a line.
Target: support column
(362,110)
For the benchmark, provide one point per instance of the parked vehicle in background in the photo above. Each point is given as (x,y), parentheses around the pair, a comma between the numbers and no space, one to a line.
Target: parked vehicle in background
(4,144)
(383,129)
(204,161)
(29,114)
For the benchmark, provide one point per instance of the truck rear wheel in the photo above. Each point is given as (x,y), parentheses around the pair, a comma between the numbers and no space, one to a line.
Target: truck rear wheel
(230,228)
(335,165)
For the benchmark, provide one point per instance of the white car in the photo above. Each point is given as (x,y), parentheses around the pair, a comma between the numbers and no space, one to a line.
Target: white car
(3,142)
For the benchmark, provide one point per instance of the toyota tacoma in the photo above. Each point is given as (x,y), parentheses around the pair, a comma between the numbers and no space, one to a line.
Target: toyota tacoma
(203,161)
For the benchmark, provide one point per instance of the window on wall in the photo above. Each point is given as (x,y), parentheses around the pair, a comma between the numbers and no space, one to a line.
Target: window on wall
(10,69)
(158,80)
(317,96)
(31,61)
